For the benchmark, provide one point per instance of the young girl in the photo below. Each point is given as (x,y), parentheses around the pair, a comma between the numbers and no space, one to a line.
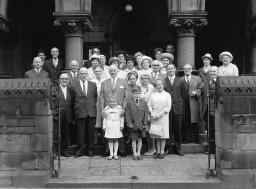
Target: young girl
(113,124)
(137,118)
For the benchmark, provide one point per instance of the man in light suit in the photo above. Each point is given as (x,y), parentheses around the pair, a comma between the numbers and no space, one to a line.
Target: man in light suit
(192,86)
(173,85)
(85,93)
(37,71)
(73,73)
(54,66)
(117,86)
(155,74)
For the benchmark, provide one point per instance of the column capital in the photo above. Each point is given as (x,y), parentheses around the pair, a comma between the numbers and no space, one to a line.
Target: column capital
(73,24)
(187,24)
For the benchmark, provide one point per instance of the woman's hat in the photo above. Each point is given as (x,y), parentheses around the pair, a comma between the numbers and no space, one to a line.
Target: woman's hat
(137,54)
(121,52)
(207,55)
(225,53)
(95,56)
(147,58)
(113,59)
(167,55)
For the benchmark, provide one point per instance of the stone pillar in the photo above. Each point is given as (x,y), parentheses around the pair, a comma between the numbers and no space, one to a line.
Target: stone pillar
(186,26)
(235,132)
(25,132)
(74,30)
(252,37)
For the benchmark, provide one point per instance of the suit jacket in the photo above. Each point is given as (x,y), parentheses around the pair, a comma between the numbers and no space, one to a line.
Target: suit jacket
(66,106)
(197,85)
(152,79)
(176,91)
(33,74)
(54,73)
(85,105)
(120,90)
(136,115)
(72,80)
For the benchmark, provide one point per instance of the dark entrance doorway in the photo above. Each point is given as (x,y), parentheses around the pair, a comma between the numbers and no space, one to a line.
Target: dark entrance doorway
(32,28)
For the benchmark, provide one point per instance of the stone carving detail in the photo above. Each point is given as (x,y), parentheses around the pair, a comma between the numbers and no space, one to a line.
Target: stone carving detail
(25,88)
(74,26)
(187,24)
(233,86)
(4,26)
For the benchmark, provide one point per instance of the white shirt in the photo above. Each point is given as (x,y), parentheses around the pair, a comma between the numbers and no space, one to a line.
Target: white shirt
(37,70)
(64,90)
(155,74)
(84,85)
(74,74)
(188,78)
(171,79)
(55,62)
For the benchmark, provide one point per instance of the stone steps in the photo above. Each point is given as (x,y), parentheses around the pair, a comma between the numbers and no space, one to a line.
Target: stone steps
(136,182)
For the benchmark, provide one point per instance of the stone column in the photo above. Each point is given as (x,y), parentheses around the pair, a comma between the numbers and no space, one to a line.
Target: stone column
(74,30)
(252,37)
(186,26)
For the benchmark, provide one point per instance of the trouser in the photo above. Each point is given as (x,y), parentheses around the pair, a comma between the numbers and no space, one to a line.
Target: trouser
(65,137)
(86,132)
(175,125)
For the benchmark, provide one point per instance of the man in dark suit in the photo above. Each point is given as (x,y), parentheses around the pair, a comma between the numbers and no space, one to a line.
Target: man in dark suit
(54,66)
(155,74)
(193,86)
(37,71)
(63,113)
(211,91)
(73,73)
(173,85)
(117,86)
(85,112)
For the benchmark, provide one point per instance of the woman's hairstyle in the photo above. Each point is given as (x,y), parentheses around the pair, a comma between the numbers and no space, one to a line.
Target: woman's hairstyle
(112,96)
(98,66)
(159,79)
(132,73)
(158,50)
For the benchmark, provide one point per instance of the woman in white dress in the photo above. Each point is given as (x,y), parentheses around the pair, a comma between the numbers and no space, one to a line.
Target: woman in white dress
(159,105)
(228,68)
(145,67)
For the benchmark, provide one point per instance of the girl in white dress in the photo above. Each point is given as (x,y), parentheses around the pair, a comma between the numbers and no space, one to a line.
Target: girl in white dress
(113,124)
(159,105)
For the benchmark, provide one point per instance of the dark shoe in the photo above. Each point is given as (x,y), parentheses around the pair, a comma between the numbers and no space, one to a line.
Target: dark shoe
(156,156)
(90,154)
(78,155)
(161,156)
(167,152)
(65,154)
(122,154)
(140,157)
(178,152)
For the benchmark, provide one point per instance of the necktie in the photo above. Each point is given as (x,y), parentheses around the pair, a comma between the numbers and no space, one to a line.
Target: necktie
(137,101)
(171,80)
(212,82)
(37,70)
(55,63)
(187,84)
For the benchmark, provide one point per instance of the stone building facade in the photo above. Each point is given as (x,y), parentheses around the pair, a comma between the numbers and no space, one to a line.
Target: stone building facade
(27,26)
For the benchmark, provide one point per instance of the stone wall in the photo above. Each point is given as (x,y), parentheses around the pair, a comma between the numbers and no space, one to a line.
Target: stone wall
(25,132)
(236,131)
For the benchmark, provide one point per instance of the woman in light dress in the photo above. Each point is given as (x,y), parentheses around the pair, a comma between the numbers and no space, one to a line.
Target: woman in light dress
(227,68)
(146,62)
(113,124)
(159,105)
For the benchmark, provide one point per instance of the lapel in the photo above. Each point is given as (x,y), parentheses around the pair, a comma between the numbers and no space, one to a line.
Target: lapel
(61,93)
(117,83)
(167,80)
(80,88)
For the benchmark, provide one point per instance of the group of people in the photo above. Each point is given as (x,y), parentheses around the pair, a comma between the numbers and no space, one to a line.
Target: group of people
(131,98)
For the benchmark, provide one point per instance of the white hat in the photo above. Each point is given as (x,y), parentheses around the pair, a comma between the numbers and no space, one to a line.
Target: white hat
(95,56)
(225,53)
(147,58)
(166,55)
(207,55)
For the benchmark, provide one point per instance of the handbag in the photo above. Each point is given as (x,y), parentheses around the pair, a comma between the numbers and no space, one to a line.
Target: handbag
(155,129)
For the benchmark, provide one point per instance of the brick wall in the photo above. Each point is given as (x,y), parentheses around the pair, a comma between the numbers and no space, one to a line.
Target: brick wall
(25,132)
